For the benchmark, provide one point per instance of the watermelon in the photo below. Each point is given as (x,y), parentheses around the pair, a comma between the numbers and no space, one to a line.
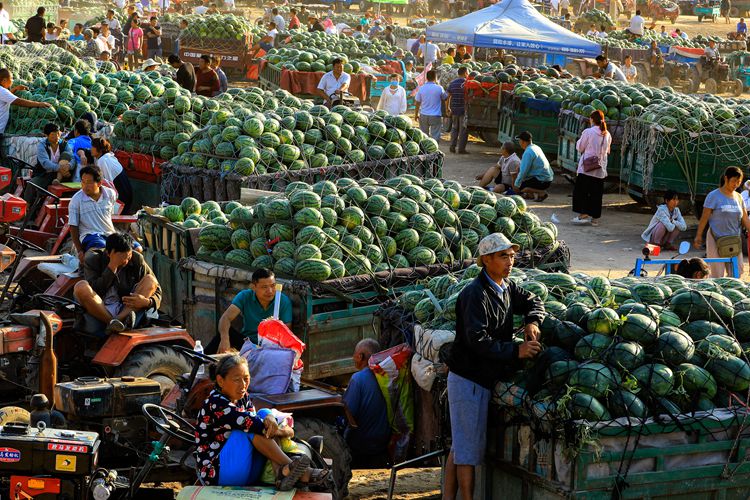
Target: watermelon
(626,355)
(594,379)
(656,379)
(312,269)
(603,320)
(623,403)
(586,407)
(639,328)
(592,346)
(190,206)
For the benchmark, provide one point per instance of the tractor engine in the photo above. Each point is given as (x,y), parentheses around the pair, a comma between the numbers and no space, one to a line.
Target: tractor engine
(676,70)
(112,408)
(721,71)
(16,344)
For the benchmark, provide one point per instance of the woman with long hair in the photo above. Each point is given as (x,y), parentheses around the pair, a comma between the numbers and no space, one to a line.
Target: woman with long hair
(724,213)
(592,169)
(112,170)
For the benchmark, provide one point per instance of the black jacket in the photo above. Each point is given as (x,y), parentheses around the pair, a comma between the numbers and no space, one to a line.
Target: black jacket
(35,27)
(185,77)
(484,351)
(101,277)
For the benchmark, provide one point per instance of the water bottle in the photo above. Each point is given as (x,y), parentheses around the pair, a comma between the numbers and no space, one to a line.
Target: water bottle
(199,349)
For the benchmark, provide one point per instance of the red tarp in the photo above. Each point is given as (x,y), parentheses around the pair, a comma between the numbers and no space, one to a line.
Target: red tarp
(304,82)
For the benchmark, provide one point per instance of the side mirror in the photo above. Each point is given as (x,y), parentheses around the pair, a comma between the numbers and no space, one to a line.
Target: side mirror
(684,247)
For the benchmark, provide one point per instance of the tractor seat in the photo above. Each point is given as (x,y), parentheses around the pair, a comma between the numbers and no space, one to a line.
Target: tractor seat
(68,265)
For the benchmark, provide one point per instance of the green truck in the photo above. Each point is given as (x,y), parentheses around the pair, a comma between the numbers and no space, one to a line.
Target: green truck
(696,456)
(655,159)
(536,116)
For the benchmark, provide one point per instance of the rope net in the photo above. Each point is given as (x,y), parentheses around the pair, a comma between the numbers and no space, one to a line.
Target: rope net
(616,373)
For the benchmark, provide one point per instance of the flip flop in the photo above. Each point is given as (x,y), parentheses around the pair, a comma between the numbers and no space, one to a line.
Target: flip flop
(297,468)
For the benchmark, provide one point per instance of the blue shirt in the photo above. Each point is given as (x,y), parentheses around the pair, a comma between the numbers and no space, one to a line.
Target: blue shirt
(456,91)
(726,215)
(365,401)
(499,288)
(74,146)
(741,28)
(75,38)
(253,313)
(430,97)
(534,164)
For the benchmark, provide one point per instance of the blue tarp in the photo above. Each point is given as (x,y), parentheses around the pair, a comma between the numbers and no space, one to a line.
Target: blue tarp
(513,25)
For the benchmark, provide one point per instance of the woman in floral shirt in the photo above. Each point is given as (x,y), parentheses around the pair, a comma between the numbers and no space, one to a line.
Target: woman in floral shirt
(234,443)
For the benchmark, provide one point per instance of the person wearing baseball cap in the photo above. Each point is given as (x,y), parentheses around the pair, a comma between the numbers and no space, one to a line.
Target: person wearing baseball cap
(483,353)
(535,175)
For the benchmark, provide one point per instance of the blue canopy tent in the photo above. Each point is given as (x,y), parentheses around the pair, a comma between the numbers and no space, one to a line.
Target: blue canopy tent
(513,25)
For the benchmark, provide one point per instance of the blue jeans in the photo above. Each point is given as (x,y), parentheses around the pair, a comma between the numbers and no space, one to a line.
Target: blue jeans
(240,464)
(93,326)
(98,240)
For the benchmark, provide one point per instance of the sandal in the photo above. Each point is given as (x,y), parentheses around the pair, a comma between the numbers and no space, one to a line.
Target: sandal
(540,197)
(297,468)
(318,477)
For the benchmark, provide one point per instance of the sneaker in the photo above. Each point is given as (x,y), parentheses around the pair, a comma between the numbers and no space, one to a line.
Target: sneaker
(580,222)
(129,321)
(115,326)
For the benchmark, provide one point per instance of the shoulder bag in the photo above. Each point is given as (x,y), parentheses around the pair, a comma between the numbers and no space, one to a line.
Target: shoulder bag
(593,162)
(728,246)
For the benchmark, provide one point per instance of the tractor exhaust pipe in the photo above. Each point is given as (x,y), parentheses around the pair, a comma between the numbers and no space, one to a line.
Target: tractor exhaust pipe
(48,364)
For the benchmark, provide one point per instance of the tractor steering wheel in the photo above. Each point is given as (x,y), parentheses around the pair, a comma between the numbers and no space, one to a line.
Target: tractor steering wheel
(56,301)
(195,356)
(26,243)
(169,422)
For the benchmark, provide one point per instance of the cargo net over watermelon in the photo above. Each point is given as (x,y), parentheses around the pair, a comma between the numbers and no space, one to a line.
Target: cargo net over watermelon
(256,132)
(697,134)
(630,357)
(74,93)
(348,228)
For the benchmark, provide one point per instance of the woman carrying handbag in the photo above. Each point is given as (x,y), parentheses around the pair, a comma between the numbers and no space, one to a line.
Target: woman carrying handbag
(592,169)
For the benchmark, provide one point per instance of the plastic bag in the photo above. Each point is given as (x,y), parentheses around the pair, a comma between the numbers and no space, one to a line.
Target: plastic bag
(274,332)
(423,371)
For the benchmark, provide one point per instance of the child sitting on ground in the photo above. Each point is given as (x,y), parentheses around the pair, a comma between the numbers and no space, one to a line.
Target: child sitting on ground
(666,224)
(504,172)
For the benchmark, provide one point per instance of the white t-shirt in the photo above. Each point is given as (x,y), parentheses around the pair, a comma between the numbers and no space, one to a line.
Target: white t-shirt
(711,53)
(114,24)
(280,23)
(201,9)
(393,103)
(273,34)
(50,36)
(592,33)
(4,15)
(631,71)
(330,84)
(430,52)
(110,166)
(636,25)
(101,44)
(6,99)
(108,42)
(601,34)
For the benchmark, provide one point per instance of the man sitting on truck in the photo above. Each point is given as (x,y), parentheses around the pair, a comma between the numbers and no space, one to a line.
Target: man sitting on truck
(118,287)
(334,84)
(255,305)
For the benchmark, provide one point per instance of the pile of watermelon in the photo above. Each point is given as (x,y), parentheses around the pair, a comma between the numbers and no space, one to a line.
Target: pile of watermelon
(315,60)
(28,61)
(711,114)
(344,228)
(159,126)
(263,132)
(629,347)
(213,27)
(594,17)
(73,94)
(347,45)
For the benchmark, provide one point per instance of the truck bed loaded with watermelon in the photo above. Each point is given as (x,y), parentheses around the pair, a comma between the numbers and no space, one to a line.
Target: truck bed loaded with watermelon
(625,362)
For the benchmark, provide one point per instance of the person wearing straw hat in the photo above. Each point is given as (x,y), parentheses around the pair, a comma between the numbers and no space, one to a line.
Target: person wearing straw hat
(483,353)
(149,65)
(254,305)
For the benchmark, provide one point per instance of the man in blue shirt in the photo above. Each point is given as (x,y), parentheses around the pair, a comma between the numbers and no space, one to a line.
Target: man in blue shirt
(534,175)
(457,111)
(364,400)
(254,306)
(429,101)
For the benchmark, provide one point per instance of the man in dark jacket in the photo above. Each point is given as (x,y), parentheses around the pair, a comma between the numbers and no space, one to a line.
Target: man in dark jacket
(36,26)
(118,287)
(185,77)
(483,353)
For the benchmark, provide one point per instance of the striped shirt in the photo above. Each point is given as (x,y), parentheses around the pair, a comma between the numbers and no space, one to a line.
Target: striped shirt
(456,91)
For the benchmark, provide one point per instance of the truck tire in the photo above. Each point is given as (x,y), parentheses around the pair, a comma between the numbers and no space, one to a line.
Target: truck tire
(489,137)
(334,447)
(157,362)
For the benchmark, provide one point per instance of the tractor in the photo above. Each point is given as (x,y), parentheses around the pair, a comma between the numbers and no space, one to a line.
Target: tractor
(739,65)
(715,75)
(677,75)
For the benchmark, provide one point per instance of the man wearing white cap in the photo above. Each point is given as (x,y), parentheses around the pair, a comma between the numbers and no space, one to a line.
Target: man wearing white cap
(149,65)
(483,353)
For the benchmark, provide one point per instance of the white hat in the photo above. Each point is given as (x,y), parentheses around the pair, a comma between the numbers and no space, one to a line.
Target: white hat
(495,242)
(147,63)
